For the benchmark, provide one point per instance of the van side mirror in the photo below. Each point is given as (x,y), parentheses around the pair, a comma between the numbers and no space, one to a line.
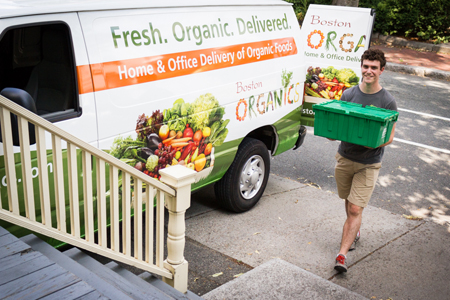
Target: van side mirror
(25,100)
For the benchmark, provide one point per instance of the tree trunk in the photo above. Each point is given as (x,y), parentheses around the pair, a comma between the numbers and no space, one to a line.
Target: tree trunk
(353,3)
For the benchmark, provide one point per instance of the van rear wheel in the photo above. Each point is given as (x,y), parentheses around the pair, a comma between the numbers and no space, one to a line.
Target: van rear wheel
(245,181)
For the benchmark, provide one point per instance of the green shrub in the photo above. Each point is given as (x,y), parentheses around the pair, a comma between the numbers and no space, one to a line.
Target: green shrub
(427,20)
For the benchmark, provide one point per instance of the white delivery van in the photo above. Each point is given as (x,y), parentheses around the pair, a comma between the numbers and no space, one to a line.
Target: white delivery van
(212,85)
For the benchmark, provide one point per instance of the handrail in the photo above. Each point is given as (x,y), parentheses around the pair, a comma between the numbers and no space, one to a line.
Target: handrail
(136,190)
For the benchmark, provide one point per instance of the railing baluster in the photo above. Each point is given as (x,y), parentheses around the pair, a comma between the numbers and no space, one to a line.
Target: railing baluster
(43,177)
(27,179)
(73,190)
(160,228)
(87,194)
(10,165)
(126,214)
(101,203)
(138,218)
(114,207)
(58,173)
(150,195)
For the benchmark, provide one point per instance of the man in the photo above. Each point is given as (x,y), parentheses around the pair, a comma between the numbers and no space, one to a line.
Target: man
(357,166)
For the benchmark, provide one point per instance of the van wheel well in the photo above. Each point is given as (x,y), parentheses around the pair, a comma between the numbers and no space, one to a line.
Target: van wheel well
(266,135)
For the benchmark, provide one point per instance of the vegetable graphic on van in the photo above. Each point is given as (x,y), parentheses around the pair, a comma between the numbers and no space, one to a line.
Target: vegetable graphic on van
(185,134)
(329,83)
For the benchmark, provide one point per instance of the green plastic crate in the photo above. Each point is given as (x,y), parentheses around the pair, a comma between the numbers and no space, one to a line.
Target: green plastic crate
(350,122)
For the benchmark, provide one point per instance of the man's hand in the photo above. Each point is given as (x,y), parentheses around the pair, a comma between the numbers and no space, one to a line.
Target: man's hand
(391,138)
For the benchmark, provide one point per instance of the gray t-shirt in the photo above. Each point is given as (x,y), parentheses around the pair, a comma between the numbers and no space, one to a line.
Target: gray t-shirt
(382,99)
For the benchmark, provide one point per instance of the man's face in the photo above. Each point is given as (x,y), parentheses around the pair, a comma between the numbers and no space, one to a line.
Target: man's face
(371,71)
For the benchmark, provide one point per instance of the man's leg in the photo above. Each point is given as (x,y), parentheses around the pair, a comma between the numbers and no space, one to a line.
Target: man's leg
(346,207)
(351,226)
(349,232)
(353,246)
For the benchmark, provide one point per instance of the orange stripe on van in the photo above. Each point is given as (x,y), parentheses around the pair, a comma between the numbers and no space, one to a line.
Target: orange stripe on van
(115,74)
(84,79)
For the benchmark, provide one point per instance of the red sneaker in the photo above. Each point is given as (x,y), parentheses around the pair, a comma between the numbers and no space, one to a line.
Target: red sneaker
(340,265)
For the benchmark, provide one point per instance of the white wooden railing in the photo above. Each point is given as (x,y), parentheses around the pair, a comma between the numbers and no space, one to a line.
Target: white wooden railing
(59,213)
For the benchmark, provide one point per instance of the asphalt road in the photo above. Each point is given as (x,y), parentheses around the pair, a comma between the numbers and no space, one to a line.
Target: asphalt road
(415,176)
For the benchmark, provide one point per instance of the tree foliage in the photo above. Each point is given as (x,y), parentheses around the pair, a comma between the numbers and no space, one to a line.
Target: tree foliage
(426,20)
(301,6)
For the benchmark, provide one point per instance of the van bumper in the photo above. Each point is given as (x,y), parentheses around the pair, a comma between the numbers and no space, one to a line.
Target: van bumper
(301,137)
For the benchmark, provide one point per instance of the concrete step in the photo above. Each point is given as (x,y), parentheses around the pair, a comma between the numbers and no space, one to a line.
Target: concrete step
(278,279)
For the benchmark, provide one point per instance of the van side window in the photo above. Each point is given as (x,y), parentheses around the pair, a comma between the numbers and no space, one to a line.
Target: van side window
(39,59)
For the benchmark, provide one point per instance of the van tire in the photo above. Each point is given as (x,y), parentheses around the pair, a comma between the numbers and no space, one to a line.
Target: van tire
(253,156)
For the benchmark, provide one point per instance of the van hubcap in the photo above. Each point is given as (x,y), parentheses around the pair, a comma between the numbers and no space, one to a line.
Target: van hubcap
(252,177)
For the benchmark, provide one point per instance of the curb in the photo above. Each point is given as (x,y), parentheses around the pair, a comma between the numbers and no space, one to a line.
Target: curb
(401,42)
(414,70)
(419,71)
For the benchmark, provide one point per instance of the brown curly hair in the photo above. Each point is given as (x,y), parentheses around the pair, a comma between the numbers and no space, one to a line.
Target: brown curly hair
(374,54)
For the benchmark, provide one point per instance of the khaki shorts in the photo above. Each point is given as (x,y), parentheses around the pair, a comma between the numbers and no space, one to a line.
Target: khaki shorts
(355,181)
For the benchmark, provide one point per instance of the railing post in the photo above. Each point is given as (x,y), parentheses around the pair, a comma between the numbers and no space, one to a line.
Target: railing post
(180,178)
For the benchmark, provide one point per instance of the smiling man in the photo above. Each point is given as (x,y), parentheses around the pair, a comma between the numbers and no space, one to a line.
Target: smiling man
(357,166)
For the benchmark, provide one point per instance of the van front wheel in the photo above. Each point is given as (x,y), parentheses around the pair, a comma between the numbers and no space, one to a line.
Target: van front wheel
(245,181)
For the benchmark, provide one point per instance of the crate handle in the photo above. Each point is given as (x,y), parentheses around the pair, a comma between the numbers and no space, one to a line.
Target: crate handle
(330,118)
(361,127)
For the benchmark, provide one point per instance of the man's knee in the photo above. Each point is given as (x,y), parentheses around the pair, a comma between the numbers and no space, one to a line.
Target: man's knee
(354,210)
